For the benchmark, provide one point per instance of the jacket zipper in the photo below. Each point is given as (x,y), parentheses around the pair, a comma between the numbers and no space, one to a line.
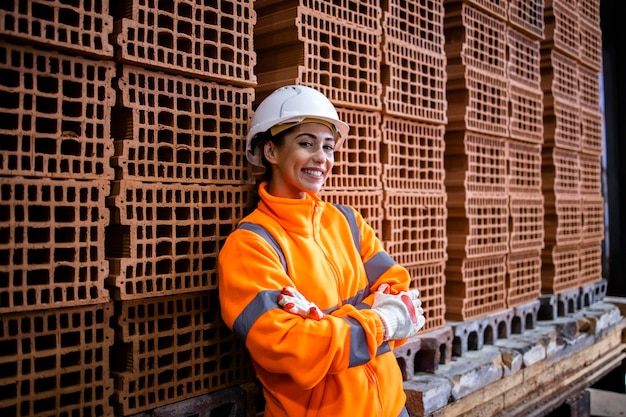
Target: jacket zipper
(330,264)
(374,381)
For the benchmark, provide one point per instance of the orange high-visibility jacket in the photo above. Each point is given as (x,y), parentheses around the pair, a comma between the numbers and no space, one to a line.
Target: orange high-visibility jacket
(337,366)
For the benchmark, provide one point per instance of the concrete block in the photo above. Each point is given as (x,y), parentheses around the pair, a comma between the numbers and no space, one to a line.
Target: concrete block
(426,394)
(473,371)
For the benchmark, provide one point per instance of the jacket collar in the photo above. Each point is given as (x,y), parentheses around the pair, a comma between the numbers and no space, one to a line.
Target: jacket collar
(295,215)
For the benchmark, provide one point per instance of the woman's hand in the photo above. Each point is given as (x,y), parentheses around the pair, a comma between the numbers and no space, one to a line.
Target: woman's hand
(293,302)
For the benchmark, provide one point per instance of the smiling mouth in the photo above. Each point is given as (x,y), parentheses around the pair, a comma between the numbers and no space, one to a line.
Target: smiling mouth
(313,173)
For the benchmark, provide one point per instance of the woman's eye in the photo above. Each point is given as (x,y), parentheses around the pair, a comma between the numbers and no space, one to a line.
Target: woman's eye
(306,144)
(329,148)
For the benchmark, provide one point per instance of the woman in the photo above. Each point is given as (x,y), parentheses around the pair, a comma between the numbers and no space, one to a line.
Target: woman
(307,284)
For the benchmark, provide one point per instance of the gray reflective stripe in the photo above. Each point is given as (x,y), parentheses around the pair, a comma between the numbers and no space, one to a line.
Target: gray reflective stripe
(377,265)
(262,231)
(354,227)
(264,301)
(358,344)
(404,413)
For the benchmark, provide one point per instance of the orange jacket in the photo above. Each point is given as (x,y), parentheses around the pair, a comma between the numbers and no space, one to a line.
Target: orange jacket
(339,365)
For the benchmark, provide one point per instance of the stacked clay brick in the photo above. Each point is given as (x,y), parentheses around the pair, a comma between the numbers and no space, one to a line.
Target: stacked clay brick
(493,156)
(384,70)
(570,66)
(55,175)
(123,140)
(185,89)
(413,126)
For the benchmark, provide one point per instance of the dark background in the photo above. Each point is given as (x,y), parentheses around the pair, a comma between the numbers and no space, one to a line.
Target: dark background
(613,24)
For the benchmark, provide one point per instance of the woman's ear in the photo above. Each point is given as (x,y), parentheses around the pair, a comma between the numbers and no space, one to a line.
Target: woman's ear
(270,152)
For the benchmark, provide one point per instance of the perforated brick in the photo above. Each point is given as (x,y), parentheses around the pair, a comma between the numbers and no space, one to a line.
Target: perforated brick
(563,222)
(589,10)
(206,40)
(475,163)
(475,287)
(589,89)
(591,132)
(414,231)
(78,25)
(524,58)
(173,348)
(590,45)
(590,262)
(413,155)
(474,39)
(164,238)
(415,86)
(369,203)
(526,113)
(358,163)
(523,277)
(562,124)
(478,225)
(335,56)
(496,8)
(365,13)
(561,171)
(430,280)
(590,175)
(560,76)
(52,243)
(562,26)
(526,224)
(173,129)
(524,167)
(527,16)
(592,218)
(56,362)
(56,112)
(560,269)
(415,22)
(478,102)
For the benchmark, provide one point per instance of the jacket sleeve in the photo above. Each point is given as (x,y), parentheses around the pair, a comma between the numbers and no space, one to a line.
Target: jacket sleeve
(250,279)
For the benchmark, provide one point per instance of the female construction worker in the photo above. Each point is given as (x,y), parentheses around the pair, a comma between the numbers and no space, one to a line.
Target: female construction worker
(307,284)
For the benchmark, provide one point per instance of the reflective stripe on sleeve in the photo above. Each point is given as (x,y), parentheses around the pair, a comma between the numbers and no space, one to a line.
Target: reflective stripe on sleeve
(377,265)
(359,354)
(263,302)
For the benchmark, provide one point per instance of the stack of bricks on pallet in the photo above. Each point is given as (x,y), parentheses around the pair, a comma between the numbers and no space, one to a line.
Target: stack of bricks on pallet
(493,156)
(570,65)
(185,86)
(413,126)
(55,336)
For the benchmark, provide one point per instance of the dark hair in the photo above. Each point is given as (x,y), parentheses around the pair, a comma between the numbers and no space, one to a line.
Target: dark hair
(258,142)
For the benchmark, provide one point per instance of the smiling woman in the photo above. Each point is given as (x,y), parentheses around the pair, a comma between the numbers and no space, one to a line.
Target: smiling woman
(307,284)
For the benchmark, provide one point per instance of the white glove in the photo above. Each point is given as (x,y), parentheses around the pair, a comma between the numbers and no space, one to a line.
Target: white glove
(402,314)
(293,302)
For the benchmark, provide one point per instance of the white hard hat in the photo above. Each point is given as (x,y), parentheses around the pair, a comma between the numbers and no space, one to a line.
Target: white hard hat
(291,104)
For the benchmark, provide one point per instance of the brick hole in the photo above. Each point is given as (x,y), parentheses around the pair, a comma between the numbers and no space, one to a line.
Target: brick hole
(502,333)
(402,364)
(457,346)
(488,336)
(530,322)
(226,410)
(424,361)
(472,341)
(516,325)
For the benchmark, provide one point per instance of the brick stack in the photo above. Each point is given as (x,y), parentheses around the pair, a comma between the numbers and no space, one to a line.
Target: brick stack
(55,175)
(570,65)
(384,70)
(185,90)
(413,125)
(493,156)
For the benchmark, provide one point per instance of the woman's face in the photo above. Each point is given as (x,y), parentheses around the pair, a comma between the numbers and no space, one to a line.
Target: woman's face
(303,162)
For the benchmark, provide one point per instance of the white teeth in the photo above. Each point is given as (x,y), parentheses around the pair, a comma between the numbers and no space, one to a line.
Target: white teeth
(314,173)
